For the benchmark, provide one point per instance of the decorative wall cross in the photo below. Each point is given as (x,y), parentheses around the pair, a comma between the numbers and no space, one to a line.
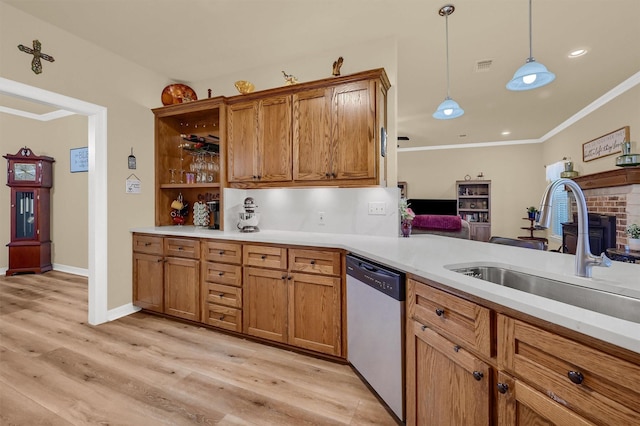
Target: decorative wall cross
(36,65)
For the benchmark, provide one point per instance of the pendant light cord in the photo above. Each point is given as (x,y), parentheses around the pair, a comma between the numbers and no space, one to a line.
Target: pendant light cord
(447,42)
(530,36)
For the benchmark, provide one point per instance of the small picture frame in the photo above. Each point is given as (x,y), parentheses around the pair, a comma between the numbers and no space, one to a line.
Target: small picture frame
(403,189)
(79,159)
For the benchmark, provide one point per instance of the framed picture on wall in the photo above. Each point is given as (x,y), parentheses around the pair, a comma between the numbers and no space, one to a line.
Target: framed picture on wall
(403,189)
(79,159)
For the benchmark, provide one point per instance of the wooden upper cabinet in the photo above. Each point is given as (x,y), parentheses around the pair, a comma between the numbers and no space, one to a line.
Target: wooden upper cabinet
(242,141)
(259,140)
(274,139)
(312,135)
(354,131)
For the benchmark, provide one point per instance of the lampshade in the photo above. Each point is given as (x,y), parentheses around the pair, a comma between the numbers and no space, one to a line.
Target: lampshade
(448,109)
(530,76)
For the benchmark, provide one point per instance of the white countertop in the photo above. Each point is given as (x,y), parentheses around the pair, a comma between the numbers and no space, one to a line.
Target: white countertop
(428,256)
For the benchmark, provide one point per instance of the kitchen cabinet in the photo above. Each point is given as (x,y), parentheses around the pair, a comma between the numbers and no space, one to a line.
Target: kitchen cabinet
(447,383)
(562,381)
(474,206)
(179,130)
(259,140)
(335,133)
(221,290)
(294,296)
(166,275)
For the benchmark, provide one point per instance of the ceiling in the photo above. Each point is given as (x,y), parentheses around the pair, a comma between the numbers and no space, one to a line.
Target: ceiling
(244,34)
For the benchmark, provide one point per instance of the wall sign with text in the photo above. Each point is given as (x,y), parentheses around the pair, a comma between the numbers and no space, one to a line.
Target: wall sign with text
(79,160)
(605,145)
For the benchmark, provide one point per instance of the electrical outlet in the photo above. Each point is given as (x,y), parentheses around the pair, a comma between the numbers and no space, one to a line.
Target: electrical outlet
(321,218)
(377,208)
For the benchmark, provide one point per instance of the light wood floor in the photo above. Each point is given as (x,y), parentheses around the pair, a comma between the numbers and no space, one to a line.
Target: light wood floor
(55,369)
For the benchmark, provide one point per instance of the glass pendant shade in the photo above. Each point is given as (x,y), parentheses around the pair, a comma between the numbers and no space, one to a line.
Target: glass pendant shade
(448,109)
(530,76)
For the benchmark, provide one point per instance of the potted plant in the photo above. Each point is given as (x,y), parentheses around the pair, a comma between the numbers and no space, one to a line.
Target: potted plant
(532,212)
(633,231)
(406,217)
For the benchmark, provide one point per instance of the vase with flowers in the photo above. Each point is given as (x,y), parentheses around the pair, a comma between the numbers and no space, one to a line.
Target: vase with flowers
(633,231)
(406,217)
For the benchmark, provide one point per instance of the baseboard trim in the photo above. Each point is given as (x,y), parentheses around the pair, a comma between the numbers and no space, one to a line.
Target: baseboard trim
(122,311)
(3,271)
(71,270)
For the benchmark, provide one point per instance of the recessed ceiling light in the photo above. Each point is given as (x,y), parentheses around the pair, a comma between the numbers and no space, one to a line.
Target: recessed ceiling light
(506,132)
(577,52)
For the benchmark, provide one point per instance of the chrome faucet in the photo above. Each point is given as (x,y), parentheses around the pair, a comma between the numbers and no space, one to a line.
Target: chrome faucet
(584,259)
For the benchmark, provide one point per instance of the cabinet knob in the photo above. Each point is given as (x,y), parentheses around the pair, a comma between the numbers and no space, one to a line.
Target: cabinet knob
(220,274)
(147,244)
(221,318)
(576,377)
(180,248)
(333,175)
(263,257)
(503,387)
(423,328)
(221,295)
(160,260)
(439,312)
(221,252)
(313,262)
(478,375)
(289,277)
(327,175)
(284,277)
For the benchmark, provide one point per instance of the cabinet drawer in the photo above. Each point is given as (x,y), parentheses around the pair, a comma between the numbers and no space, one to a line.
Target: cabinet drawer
(315,261)
(222,252)
(462,321)
(265,256)
(598,386)
(182,247)
(223,317)
(147,244)
(223,295)
(222,273)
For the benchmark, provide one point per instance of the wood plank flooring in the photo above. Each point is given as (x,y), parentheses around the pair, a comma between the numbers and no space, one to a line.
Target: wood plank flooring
(55,369)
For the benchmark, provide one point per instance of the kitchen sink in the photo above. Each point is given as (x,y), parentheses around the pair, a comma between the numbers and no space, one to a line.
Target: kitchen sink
(615,305)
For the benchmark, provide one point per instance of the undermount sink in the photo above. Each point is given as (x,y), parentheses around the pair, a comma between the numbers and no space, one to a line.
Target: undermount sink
(615,305)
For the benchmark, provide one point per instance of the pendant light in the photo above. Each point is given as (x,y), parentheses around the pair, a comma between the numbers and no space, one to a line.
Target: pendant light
(449,108)
(532,74)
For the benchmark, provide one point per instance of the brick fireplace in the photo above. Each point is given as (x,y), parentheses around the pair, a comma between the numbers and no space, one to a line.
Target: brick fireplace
(614,193)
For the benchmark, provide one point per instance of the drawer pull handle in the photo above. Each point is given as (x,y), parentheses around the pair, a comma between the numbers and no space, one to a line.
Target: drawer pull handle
(147,244)
(439,312)
(503,387)
(221,295)
(180,248)
(478,375)
(456,348)
(221,252)
(284,277)
(423,328)
(263,257)
(220,274)
(160,260)
(313,262)
(221,318)
(576,377)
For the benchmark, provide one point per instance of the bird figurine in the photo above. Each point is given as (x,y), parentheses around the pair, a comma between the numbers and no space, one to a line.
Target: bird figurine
(336,66)
(289,78)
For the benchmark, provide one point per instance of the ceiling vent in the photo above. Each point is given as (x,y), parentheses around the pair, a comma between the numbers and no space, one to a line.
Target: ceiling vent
(483,65)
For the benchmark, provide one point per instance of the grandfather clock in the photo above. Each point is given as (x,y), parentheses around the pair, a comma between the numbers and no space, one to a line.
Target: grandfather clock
(30,178)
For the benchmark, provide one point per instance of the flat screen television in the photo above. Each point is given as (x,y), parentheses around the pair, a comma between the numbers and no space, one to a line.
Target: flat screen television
(431,206)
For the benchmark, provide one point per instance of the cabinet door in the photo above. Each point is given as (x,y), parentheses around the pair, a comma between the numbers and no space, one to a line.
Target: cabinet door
(354,131)
(148,281)
(182,288)
(521,405)
(312,135)
(274,136)
(242,141)
(480,231)
(265,303)
(446,384)
(314,313)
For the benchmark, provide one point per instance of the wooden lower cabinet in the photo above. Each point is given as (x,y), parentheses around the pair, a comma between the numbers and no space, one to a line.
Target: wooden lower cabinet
(314,313)
(182,288)
(265,303)
(446,384)
(148,281)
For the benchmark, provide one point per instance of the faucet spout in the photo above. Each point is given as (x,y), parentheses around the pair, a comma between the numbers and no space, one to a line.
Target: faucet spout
(584,259)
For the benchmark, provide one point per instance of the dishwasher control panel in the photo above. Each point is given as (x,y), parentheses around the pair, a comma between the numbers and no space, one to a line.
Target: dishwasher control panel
(388,281)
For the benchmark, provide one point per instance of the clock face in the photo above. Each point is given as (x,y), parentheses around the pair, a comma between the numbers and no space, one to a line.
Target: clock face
(24,171)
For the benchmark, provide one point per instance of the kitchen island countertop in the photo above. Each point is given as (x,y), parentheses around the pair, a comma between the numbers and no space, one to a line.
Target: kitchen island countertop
(430,256)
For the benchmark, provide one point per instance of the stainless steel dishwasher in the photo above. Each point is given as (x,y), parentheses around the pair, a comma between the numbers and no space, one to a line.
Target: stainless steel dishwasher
(375,328)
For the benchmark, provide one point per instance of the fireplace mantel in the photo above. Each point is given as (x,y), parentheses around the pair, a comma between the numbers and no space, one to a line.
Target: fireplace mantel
(618,177)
